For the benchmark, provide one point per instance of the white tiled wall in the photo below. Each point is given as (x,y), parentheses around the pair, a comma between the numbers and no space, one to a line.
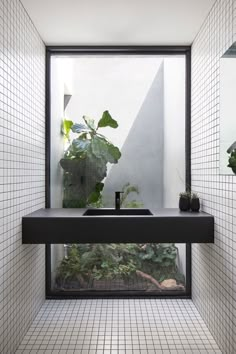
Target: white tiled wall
(214,266)
(22,186)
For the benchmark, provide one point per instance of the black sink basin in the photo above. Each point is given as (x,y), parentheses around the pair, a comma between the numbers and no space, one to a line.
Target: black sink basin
(98,212)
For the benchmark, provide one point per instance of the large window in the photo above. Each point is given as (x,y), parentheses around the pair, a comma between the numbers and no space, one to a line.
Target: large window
(117,123)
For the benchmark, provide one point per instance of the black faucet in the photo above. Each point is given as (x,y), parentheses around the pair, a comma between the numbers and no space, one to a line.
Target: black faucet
(117,201)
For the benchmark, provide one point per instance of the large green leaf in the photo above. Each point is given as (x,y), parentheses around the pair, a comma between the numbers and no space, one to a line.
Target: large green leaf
(66,126)
(99,147)
(78,149)
(114,152)
(96,194)
(107,121)
(81,145)
(102,149)
(79,128)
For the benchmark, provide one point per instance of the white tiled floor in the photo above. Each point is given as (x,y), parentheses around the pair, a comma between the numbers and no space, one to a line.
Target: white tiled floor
(118,326)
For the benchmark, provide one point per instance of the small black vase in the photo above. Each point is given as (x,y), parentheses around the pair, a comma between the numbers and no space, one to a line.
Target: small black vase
(195,204)
(184,203)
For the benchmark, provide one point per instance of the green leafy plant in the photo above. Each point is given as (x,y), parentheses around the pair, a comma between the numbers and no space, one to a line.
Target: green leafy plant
(107,261)
(232,157)
(163,254)
(85,160)
(128,189)
(70,268)
(159,260)
(194,196)
(118,261)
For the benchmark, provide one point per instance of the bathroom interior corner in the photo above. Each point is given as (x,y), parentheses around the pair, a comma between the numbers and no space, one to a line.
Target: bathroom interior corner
(117,115)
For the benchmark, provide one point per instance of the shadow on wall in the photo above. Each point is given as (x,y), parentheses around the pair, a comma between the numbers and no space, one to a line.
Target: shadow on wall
(141,162)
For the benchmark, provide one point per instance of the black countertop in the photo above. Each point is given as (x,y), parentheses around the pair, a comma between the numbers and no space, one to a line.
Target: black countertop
(78,212)
(71,226)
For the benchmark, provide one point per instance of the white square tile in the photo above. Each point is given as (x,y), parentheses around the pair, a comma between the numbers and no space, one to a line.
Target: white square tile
(170,334)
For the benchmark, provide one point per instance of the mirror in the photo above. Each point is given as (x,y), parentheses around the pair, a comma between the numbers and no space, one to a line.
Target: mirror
(228,112)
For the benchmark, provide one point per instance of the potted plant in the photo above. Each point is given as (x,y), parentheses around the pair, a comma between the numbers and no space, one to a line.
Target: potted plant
(85,160)
(195,203)
(232,158)
(184,201)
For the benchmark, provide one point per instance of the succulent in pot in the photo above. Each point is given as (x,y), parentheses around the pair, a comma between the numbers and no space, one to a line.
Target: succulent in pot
(195,203)
(184,201)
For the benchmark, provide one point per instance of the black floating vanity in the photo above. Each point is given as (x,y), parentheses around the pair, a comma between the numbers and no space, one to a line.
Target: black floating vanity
(117,226)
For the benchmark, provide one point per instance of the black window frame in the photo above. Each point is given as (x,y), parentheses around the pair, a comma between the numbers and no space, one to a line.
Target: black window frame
(119,50)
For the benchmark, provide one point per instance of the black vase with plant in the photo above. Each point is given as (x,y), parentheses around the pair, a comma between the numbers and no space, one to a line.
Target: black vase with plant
(184,201)
(195,203)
